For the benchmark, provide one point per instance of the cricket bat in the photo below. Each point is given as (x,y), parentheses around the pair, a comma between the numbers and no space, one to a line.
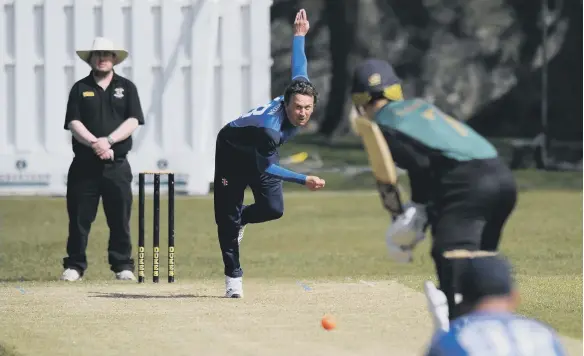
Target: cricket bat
(381,163)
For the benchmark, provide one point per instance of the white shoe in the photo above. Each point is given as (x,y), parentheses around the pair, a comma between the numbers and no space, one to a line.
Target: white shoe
(70,275)
(438,306)
(125,276)
(233,287)
(240,234)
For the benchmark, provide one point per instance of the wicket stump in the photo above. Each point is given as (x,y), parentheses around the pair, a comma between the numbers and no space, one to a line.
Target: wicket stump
(155,226)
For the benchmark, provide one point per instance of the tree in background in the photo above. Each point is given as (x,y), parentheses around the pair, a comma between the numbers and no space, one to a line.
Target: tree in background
(342,20)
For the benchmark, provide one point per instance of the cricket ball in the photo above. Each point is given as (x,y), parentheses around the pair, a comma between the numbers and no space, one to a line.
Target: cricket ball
(328,322)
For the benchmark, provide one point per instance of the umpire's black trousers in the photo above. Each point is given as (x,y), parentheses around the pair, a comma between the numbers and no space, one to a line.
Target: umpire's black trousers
(473,202)
(88,180)
(234,172)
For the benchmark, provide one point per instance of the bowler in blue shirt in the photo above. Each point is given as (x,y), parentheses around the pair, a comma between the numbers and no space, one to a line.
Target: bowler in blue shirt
(246,154)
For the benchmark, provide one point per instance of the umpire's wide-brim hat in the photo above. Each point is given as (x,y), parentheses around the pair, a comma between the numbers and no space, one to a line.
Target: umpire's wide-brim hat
(375,78)
(103,44)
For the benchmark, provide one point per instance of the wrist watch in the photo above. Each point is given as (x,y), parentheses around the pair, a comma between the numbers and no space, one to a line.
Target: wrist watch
(110,140)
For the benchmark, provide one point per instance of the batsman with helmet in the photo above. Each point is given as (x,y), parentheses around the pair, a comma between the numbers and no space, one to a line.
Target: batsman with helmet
(460,188)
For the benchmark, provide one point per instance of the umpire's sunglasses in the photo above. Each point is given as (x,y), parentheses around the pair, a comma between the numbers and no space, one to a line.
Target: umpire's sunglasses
(103,53)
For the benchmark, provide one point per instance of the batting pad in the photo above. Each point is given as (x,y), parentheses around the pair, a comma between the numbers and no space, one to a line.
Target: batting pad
(380,158)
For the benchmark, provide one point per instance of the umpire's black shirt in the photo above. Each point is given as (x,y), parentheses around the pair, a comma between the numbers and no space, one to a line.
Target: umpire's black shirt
(102,111)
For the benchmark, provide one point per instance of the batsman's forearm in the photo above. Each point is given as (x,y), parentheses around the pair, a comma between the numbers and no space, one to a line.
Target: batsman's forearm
(124,130)
(81,133)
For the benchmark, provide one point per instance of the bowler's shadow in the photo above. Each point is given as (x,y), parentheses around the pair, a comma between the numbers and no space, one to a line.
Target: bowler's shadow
(148,296)
(16,279)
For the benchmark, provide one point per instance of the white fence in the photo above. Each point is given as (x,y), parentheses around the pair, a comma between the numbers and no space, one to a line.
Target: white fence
(192,61)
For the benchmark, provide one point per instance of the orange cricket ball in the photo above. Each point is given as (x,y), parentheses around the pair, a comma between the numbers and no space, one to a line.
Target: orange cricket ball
(328,322)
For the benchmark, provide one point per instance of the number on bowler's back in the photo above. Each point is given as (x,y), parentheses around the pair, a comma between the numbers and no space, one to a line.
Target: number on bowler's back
(260,109)
(257,111)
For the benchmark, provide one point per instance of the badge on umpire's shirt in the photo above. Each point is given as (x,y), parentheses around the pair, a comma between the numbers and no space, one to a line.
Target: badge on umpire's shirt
(119,93)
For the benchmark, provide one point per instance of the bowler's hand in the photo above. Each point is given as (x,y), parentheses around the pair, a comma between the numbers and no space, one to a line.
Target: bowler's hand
(301,24)
(109,154)
(100,146)
(314,183)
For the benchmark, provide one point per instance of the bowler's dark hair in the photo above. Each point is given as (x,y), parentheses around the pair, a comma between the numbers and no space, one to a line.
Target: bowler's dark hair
(300,86)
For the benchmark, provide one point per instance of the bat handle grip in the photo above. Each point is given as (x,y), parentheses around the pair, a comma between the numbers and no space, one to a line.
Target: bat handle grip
(390,198)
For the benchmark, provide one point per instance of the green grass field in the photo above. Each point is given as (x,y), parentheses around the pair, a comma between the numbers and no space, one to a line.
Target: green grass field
(324,237)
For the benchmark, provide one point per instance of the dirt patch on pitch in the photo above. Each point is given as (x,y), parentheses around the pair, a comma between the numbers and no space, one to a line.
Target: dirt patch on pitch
(282,318)
(189,319)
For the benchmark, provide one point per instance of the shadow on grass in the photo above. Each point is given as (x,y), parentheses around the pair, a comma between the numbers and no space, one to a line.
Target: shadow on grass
(148,296)
(17,279)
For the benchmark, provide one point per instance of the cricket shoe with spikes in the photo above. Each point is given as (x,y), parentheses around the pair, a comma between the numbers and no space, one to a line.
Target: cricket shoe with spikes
(71,275)
(233,287)
(125,275)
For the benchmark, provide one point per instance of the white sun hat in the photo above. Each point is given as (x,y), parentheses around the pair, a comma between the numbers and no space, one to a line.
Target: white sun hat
(103,44)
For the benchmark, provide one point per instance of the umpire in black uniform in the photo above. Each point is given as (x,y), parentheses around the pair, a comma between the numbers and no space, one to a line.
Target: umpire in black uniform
(102,112)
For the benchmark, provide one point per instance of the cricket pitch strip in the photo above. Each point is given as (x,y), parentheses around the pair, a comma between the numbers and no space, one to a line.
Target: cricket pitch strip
(191,318)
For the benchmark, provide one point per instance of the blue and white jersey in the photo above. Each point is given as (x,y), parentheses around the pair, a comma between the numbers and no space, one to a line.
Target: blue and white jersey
(271,118)
(496,334)
(262,130)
